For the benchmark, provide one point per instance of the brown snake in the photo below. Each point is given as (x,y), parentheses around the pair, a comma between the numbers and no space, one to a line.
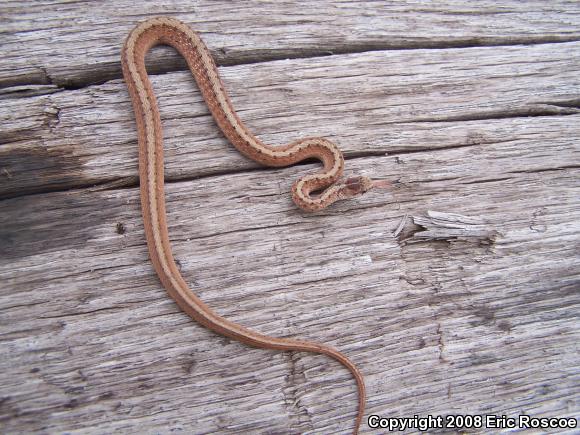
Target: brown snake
(172,32)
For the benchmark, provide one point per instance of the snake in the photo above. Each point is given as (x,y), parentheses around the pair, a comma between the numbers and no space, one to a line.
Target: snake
(311,192)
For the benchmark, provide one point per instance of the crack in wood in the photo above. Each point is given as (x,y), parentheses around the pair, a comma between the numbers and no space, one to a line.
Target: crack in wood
(437,226)
(174,63)
(298,413)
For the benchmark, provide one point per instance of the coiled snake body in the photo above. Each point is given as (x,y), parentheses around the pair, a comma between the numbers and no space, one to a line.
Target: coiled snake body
(172,32)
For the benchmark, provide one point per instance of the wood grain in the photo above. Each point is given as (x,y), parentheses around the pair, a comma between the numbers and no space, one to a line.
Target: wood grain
(455,292)
(76,43)
(369,103)
(440,326)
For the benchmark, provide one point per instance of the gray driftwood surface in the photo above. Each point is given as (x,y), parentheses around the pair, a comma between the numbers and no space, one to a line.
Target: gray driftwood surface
(456,291)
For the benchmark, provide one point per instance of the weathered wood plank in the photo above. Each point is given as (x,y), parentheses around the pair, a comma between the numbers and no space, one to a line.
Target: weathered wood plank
(370,103)
(74,43)
(478,315)
(92,344)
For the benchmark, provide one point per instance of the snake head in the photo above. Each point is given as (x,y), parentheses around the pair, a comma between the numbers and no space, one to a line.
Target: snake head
(355,186)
